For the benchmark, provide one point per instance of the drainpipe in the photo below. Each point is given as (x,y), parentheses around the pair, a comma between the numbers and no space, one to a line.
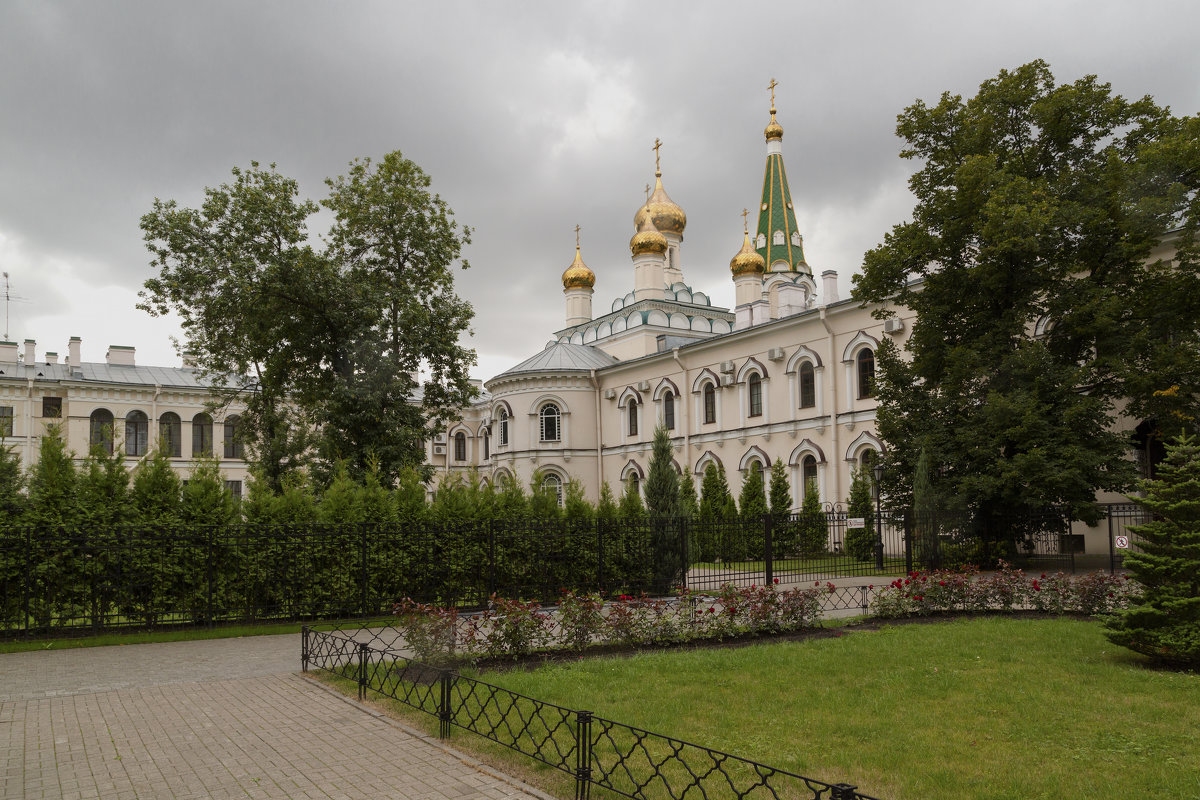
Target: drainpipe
(832,381)
(153,426)
(599,443)
(29,424)
(684,404)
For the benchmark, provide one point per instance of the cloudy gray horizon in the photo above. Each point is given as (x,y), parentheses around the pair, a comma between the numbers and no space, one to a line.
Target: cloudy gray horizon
(530,118)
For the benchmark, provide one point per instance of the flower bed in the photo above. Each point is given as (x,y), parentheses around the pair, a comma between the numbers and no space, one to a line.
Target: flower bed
(922,593)
(512,627)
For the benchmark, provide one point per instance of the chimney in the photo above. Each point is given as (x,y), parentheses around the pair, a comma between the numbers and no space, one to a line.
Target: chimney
(189,359)
(30,352)
(829,291)
(120,355)
(73,347)
(8,352)
(51,357)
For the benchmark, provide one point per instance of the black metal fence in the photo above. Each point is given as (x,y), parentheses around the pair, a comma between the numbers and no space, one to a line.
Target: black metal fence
(81,580)
(594,751)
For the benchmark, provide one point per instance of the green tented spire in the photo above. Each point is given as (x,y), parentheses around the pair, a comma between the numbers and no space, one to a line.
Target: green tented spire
(778,238)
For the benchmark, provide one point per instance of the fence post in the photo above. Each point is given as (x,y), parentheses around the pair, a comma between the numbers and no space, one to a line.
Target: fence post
(843,791)
(304,648)
(444,715)
(583,755)
(769,550)
(863,593)
(683,552)
(362,670)
(27,581)
(491,528)
(599,555)
(1112,544)
(365,570)
(210,576)
(908,545)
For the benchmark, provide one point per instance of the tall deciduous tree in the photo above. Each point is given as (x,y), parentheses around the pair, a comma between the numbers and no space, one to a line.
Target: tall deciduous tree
(327,338)
(1038,297)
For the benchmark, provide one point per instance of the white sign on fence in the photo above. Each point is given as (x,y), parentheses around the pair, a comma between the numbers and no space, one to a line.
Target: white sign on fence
(856,522)
(1122,542)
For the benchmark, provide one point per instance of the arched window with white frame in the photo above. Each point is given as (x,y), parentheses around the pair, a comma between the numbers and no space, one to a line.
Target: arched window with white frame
(460,446)
(709,400)
(669,410)
(631,410)
(807,378)
(864,365)
(552,481)
(808,473)
(137,433)
(170,434)
(101,429)
(550,423)
(754,396)
(502,434)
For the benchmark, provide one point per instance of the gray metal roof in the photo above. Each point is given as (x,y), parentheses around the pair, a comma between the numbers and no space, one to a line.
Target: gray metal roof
(91,372)
(563,357)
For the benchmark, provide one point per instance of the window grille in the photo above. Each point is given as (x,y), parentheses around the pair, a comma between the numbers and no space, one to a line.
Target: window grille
(808,385)
(202,436)
(710,404)
(137,433)
(866,373)
(550,418)
(755,389)
(669,411)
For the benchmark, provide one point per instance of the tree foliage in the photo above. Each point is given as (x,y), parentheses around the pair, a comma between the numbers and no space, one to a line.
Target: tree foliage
(860,542)
(1164,622)
(1037,202)
(662,482)
(327,338)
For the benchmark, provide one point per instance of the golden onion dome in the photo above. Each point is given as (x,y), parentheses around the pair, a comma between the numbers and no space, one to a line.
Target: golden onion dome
(747,260)
(667,217)
(578,275)
(647,239)
(773,130)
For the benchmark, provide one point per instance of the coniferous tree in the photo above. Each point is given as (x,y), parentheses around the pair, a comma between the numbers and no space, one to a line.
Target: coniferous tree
(12,481)
(104,499)
(752,505)
(689,506)
(204,500)
(51,513)
(543,499)
(662,483)
(785,531)
(631,502)
(53,484)
(576,505)
(156,490)
(812,526)
(105,511)
(606,508)
(409,497)
(860,542)
(1164,621)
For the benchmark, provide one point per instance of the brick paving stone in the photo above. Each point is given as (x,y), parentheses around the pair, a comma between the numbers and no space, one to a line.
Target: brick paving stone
(226,718)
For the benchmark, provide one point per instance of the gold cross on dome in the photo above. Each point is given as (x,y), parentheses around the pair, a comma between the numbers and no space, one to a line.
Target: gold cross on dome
(647,194)
(745,223)
(657,145)
(577,229)
(772,86)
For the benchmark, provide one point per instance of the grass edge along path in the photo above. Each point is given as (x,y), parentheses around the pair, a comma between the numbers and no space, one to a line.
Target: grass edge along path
(986,707)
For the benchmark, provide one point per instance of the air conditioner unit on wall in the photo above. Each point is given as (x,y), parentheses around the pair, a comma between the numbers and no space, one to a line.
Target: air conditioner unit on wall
(727,380)
(775,354)
(610,394)
(893,325)
(727,366)
(439,449)
(643,386)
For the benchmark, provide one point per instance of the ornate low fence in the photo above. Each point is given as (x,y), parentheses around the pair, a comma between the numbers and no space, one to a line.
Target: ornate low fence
(594,751)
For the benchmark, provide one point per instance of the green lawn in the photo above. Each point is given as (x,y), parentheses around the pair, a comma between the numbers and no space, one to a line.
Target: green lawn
(980,708)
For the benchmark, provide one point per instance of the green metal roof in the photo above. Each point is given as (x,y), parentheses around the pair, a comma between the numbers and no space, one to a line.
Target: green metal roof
(775,213)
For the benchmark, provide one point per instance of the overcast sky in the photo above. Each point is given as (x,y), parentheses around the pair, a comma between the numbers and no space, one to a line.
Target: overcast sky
(530,118)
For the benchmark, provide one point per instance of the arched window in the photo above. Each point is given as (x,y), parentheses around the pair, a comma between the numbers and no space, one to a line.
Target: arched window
(754,385)
(101,429)
(551,419)
(635,482)
(808,385)
(865,365)
(202,435)
(669,410)
(137,433)
(170,436)
(777,237)
(760,242)
(503,426)
(233,441)
(633,416)
(486,435)
(460,446)
(709,394)
(554,483)
(808,472)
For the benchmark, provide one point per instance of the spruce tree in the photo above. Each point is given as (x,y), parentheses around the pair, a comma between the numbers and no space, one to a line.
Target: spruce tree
(577,509)
(812,525)
(409,497)
(205,500)
(631,507)
(607,509)
(52,512)
(53,484)
(860,542)
(752,503)
(156,490)
(12,481)
(662,484)
(11,540)
(689,507)
(1164,621)
(104,497)
(543,499)
(785,531)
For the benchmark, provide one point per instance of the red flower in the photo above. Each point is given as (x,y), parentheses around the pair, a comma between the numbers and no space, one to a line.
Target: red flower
(777,580)
(941,583)
(872,586)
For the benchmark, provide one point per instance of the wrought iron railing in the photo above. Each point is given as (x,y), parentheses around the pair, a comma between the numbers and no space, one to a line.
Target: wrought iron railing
(594,751)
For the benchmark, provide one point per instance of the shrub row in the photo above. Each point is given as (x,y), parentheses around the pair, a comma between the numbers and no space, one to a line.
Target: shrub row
(1009,589)
(513,627)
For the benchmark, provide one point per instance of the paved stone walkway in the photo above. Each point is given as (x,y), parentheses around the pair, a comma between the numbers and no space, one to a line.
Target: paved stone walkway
(224,718)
